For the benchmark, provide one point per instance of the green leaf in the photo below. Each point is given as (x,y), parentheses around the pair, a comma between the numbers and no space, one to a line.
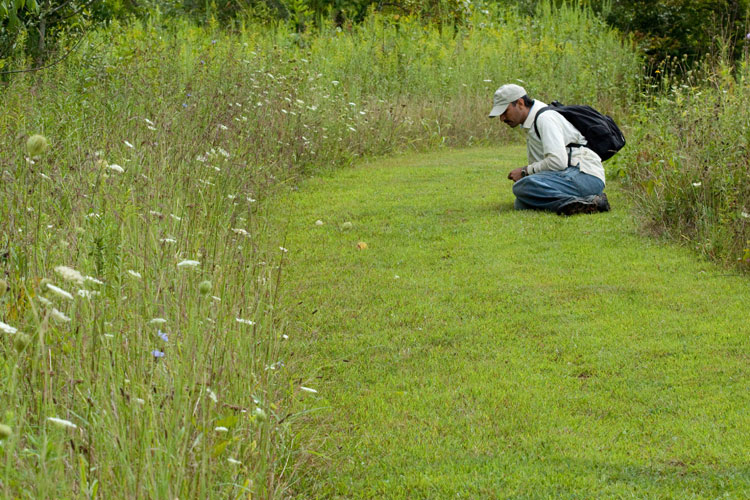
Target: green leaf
(12,21)
(19,4)
(219,448)
(229,421)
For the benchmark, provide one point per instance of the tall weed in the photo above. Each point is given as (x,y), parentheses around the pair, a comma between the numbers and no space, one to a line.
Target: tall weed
(689,169)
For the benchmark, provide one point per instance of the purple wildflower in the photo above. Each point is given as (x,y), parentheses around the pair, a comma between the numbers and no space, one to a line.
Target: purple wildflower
(157,353)
(163,336)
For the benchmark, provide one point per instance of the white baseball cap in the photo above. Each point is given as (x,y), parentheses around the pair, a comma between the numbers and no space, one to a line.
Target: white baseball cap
(505,95)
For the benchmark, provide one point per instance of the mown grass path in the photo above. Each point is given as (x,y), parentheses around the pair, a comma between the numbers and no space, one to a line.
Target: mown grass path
(471,351)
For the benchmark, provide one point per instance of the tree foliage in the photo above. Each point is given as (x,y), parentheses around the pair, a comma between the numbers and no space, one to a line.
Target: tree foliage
(679,29)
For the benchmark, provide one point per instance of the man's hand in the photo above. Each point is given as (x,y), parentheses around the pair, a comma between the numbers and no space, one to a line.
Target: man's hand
(516,174)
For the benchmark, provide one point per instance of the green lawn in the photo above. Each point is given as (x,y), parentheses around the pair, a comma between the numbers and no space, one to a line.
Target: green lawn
(471,351)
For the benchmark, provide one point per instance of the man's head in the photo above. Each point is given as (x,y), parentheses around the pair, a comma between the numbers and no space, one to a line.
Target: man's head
(511,104)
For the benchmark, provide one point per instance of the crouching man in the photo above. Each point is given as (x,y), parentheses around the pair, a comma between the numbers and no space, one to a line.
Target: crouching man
(563,175)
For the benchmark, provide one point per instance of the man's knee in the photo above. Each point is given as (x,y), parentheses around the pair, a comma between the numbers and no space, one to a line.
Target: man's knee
(521,187)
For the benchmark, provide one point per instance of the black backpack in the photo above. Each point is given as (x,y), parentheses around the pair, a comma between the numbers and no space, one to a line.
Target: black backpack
(601,132)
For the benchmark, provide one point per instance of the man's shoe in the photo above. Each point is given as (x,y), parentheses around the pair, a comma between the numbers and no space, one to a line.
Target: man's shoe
(588,205)
(602,203)
(578,207)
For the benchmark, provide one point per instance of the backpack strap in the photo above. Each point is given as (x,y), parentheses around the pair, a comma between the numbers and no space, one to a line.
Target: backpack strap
(536,129)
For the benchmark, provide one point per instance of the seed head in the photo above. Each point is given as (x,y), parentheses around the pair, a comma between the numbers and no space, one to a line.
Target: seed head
(36,145)
(260,414)
(20,341)
(205,287)
(66,424)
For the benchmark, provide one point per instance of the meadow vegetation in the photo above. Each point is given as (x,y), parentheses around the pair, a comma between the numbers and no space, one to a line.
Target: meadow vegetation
(688,167)
(142,350)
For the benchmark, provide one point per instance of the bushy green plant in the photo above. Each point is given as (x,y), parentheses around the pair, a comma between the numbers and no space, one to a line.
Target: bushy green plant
(688,166)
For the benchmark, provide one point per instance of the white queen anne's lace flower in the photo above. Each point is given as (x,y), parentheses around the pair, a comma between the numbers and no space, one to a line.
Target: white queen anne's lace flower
(188,263)
(69,274)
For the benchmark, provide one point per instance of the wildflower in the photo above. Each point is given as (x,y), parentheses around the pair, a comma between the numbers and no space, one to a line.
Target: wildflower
(245,321)
(117,168)
(168,240)
(696,184)
(62,423)
(140,401)
(283,249)
(259,414)
(335,82)
(212,395)
(157,321)
(8,329)
(156,353)
(241,231)
(188,263)
(93,280)
(36,145)
(149,122)
(487,80)
(59,292)
(251,200)
(233,461)
(221,429)
(134,274)
(59,316)
(285,336)
(745,215)
(318,222)
(178,219)
(129,145)
(308,389)
(69,274)
(223,127)
(163,336)
(44,301)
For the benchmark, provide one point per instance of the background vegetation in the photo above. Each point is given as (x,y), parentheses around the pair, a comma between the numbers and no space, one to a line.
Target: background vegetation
(169,126)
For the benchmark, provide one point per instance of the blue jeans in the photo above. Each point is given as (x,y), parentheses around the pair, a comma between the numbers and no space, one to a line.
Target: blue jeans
(550,190)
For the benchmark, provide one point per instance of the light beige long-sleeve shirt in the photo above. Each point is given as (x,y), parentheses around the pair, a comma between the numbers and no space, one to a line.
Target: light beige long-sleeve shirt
(550,152)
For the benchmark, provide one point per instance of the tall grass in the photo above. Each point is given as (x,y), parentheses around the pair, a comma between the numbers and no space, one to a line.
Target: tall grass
(688,168)
(164,366)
